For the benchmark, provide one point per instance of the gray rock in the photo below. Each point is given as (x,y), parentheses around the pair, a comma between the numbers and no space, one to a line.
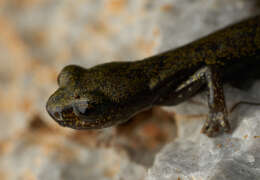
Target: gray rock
(191,19)
(51,156)
(229,156)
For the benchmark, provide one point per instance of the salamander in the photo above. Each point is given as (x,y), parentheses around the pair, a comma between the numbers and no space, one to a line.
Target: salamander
(111,93)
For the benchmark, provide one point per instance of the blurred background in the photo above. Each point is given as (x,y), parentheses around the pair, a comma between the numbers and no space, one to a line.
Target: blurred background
(39,37)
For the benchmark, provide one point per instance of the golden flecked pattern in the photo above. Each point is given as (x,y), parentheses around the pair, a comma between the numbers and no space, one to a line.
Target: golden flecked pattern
(114,92)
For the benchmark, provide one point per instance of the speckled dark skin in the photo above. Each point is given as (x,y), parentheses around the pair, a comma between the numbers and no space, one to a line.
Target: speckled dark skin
(111,93)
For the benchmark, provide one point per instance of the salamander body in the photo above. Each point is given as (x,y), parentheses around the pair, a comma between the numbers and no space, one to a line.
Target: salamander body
(112,93)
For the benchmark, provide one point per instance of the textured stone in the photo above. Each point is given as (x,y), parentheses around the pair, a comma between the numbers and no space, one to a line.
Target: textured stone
(229,156)
(46,153)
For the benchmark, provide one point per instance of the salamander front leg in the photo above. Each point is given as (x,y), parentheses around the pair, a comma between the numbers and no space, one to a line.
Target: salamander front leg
(218,117)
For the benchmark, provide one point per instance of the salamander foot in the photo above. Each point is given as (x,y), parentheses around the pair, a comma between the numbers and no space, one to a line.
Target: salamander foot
(216,123)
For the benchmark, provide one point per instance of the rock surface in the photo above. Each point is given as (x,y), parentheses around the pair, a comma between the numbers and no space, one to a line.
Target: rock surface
(39,37)
(230,156)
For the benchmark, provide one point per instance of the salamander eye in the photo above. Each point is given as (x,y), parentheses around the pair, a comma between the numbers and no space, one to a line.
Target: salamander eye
(83,109)
(69,75)
(65,77)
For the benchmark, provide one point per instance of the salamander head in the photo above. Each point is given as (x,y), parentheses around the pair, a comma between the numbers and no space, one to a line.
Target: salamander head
(74,106)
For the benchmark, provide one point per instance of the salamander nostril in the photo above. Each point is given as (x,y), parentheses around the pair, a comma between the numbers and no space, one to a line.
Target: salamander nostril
(55,114)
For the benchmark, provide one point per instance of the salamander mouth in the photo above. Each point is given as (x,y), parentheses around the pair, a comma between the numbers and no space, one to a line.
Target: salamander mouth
(79,124)
(65,116)
(71,120)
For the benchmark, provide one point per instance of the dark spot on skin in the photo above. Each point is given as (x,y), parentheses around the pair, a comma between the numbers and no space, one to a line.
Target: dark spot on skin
(77,96)
(57,115)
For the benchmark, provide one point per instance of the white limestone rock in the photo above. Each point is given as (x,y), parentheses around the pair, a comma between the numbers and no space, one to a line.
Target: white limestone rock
(234,156)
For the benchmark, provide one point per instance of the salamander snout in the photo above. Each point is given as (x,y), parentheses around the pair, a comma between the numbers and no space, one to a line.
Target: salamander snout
(61,114)
(78,112)
(55,114)
(60,108)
